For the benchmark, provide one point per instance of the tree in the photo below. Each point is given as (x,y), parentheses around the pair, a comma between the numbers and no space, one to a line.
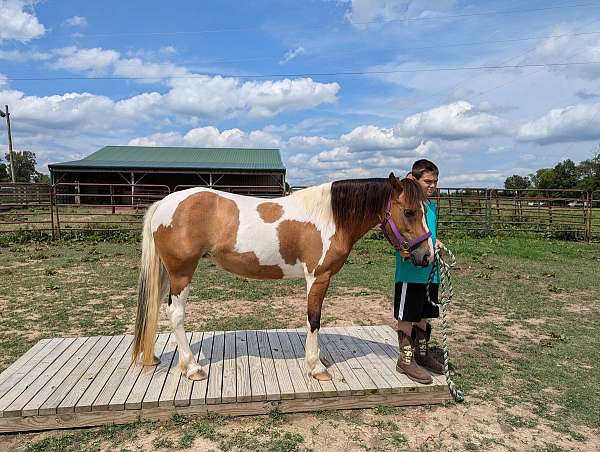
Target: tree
(564,175)
(589,174)
(516,182)
(24,162)
(3,172)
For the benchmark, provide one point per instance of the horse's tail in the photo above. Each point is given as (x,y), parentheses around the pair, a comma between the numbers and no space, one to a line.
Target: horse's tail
(152,285)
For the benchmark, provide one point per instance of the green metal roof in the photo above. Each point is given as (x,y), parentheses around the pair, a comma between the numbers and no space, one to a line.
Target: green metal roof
(146,157)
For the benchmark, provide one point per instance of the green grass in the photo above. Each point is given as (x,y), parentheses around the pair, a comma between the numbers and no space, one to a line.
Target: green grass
(525,335)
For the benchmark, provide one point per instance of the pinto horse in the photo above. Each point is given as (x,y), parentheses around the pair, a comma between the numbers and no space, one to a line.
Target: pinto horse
(308,234)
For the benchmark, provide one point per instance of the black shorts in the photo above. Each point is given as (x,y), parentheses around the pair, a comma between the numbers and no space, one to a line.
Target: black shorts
(410,302)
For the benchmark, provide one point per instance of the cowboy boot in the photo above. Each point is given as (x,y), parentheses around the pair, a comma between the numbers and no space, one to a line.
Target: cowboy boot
(422,355)
(406,361)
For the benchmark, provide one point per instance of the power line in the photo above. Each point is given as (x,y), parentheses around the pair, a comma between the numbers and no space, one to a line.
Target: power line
(372,22)
(313,74)
(433,46)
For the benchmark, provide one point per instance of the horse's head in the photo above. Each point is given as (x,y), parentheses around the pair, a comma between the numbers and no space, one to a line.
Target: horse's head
(404,223)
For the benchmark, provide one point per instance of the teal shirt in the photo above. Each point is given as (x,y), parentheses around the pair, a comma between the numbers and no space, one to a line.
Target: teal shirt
(406,271)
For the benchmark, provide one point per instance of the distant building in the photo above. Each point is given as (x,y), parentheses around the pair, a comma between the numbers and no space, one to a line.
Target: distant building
(124,174)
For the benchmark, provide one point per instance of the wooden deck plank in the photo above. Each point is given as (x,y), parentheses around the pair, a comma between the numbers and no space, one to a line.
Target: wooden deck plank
(138,391)
(65,387)
(22,393)
(167,395)
(215,376)
(281,369)
(296,371)
(340,385)
(117,402)
(391,337)
(68,403)
(49,387)
(391,350)
(37,361)
(199,388)
(257,379)
(184,390)
(380,360)
(345,348)
(347,375)
(86,401)
(272,390)
(24,359)
(102,401)
(228,392)
(152,396)
(242,370)
(365,356)
(315,387)
(79,420)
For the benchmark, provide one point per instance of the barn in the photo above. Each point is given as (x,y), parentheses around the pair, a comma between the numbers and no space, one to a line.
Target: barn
(124,174)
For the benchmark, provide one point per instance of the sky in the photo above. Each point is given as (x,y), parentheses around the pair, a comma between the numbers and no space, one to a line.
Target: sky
(345,88)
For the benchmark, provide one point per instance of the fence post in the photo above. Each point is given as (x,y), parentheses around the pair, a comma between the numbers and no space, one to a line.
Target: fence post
(51,195)
(488,211)
(587,211)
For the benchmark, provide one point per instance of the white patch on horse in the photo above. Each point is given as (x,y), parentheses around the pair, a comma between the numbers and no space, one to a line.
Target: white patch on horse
(429,240)
(311,356)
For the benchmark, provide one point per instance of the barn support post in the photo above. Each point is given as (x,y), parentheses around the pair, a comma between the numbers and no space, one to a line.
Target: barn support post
(132,187)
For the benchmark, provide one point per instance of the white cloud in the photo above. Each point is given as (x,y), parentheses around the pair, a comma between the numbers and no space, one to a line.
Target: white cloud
(211,137)
(291,54)
(18,56)
(76,21)
(106,61)
(311,142)
(573,123)
(363,11)
(219,96)
(95,60)
(3,80)
(455,121)
(369,138)
(571,46)
(18,22)
(473,178)
(73,112)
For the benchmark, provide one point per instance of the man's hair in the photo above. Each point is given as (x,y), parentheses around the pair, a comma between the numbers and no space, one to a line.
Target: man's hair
(423,166)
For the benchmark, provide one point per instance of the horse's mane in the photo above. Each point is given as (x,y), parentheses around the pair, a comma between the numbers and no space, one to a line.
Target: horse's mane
(356,201)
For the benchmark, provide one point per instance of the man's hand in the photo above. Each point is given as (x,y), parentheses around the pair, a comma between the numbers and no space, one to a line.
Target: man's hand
(439,245)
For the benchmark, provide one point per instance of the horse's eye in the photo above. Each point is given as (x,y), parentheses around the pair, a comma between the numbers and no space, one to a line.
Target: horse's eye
(409,213)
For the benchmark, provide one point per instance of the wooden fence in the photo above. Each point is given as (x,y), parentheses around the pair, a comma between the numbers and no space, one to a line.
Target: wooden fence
(569,214)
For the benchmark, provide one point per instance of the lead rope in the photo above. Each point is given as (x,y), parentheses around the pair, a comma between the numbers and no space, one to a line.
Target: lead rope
(446,293)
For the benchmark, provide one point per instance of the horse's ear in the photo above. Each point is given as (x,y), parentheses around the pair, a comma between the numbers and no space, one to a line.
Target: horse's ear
(395,182)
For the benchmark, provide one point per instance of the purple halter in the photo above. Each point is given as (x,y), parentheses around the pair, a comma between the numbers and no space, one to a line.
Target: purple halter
(402,244)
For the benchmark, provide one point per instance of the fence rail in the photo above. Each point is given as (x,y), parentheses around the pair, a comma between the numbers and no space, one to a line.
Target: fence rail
(572,214)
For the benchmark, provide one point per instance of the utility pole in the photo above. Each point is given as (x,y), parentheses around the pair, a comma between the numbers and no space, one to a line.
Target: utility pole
(6,114)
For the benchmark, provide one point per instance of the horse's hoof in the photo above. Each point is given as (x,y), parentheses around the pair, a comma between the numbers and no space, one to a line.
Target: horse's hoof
(198,375)
(322,376)
(156,361)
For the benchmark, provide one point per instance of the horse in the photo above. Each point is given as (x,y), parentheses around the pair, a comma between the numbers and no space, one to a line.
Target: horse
(307,234)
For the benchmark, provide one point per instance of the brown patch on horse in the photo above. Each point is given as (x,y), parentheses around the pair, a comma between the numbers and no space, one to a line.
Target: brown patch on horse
(270,212)
(204,223)
(300,241)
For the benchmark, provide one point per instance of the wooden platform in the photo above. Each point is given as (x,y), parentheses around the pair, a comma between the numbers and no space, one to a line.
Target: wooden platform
(86,381)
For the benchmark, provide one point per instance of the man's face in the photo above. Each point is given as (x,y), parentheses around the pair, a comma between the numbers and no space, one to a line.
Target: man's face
(428,183)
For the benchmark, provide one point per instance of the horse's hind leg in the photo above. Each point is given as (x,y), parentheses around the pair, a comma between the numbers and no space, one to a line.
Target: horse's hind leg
(180,287)
(316,294)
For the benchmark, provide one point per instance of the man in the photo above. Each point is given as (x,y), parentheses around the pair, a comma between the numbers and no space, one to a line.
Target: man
(411,307)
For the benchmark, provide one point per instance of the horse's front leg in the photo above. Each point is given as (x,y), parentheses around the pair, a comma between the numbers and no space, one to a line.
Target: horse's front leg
(316,287)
